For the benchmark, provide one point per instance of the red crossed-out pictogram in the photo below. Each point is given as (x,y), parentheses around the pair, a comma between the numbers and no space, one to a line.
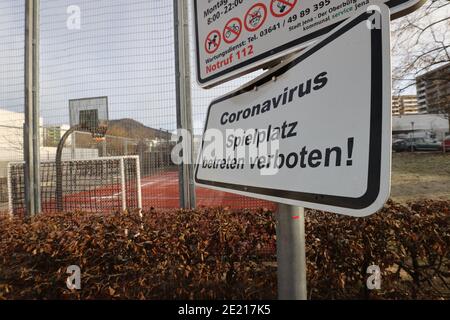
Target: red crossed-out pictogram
(280,8)
(232,30)
(212,42)
(255,17)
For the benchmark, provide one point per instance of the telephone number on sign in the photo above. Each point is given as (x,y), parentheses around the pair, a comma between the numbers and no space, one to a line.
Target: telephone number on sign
(266,31)
(305,12)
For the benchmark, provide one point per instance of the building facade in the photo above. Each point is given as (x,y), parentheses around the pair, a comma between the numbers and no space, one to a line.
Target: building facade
(433,90)
(406,105)
(420,126)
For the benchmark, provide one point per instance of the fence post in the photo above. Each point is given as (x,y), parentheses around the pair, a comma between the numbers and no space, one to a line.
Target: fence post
(184,103)
(73,146)
(32,113)
(122,185)
(443,143)
(9,186)
(104,153)
(138,183)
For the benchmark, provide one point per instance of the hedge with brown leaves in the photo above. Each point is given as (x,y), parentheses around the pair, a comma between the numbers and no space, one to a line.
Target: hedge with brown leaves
(219,254)
(411,245)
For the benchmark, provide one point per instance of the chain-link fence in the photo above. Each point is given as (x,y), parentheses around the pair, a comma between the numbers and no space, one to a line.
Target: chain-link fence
(122,50)
(97,185)
(11,89)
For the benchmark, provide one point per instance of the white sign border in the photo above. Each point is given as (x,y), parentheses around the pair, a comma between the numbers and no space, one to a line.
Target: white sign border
(378,189)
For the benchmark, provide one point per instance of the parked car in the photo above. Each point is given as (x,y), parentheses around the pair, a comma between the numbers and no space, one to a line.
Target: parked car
(446,143)
(400,145)
(417,144)
(427,145)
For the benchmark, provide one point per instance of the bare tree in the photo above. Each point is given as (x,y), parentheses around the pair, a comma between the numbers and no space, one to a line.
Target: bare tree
(421,42)
(11,138)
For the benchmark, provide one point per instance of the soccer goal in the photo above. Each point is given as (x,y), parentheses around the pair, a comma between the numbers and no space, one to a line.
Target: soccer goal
(89,185)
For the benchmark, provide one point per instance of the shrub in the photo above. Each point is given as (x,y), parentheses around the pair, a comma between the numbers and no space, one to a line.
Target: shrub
(220,254)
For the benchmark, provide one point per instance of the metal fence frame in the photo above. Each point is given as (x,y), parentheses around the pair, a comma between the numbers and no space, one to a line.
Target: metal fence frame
(122,179)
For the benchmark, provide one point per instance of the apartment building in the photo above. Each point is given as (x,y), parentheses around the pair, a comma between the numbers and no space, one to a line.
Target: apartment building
(433,90)
(406,105)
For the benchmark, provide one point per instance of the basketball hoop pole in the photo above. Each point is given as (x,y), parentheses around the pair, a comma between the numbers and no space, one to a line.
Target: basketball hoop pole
(58,161)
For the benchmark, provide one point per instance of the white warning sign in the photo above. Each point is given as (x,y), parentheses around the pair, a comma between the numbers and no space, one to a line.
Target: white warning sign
(313,132)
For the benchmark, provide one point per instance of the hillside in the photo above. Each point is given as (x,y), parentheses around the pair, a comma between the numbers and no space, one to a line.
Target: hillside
(133,129)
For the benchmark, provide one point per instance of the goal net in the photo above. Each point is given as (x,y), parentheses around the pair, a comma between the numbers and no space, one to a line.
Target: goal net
(89,185)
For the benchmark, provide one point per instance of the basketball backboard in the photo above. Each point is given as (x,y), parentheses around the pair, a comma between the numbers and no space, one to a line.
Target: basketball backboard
(89,114)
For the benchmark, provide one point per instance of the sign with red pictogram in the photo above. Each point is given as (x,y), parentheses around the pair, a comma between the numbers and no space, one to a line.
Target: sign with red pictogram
(232,31)
(212,41)
(233,38)
(280,8)
(255,17)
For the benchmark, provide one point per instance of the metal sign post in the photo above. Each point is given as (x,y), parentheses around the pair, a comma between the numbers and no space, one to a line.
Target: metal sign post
(291,253)
(184,103)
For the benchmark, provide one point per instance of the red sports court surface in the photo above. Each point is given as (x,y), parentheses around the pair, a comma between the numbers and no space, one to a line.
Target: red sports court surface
(162,192)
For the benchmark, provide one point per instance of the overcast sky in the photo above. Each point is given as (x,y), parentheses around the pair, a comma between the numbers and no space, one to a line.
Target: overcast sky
(123,50)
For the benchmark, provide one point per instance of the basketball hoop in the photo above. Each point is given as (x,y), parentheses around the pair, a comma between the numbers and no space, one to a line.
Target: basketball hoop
(90,115)
(86,115)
